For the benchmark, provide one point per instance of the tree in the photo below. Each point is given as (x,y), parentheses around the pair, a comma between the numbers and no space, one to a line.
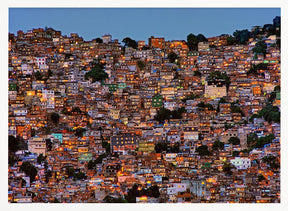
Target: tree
(234,140)
(55,118)
(192,42)
(227,168)
(160,147)
(48,174)
(40,158)
(130,43)
(76,110)
(162,115)
(252,139)
(96,74)
(272,161)
(260,48)
(12,144)
(217,145)
(201,38)
(100,158)
(197,73)
(48,144)
(29,169)
(91,164)
(110,199)
(99,40)
(38,76)
(235,153)
(172,57)
(203,150)
(79,131)
(141,65)
(106,145)
(254,69)
(242,36)
(79,175)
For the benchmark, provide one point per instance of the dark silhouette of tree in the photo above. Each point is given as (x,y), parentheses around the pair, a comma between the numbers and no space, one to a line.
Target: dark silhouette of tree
(38,76)
(128,42)
(192,42)
(234,140)
(40,158)
(55,118)
(260,48)
(217,145)
(96,74)
(201,38)
(203,150)
(141,65)
(99,40)
(242,36)
(13,144)
(227,168)
(29,169)
(172,57)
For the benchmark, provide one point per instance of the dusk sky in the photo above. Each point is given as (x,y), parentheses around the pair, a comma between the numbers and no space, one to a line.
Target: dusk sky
(140,23)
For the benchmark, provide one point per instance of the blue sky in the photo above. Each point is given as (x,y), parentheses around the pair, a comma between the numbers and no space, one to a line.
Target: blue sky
(140,23)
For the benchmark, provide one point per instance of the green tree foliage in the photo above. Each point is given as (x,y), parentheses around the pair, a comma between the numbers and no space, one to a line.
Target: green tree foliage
(96,74)
(160,147)
(254,69)
(137,191)
(100,158)
(272,161)
(201,38)
(91,164)
(38,76)
(12,144)
(264,140)
(235,153)
(41,158)
(205,105)
(141,65)
(55,117)
(99,40)
(232,41)
(270,113)
(163,114)
(234,140)
(76,110)
(110,199)
(260,48)
(190,97)
(164,146)
(79,131)
(49,144)
(277,88)
(12,160)
(172,57)
(216,75)
(79,175)
(242,36)
(236,109)
(128,42)
(197,73)
(227,168)
(252,139)
(106,145)
(192,42)
(29,169)
(203,150)
(217,145)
